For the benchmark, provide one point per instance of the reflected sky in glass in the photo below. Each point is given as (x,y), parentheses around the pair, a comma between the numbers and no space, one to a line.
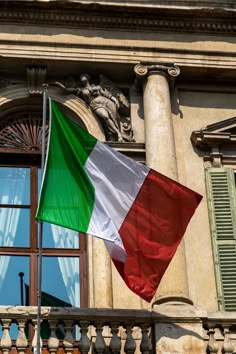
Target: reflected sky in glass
(59,237)
(60,279)
(10,285)
(14,227)
(15,185)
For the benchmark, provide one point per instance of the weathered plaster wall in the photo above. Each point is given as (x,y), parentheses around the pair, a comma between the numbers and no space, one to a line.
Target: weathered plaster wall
(198,107)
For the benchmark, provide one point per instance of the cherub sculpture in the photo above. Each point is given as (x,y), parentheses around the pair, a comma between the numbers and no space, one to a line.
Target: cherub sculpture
(105,100)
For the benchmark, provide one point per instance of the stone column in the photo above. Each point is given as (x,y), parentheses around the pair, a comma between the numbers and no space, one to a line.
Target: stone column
(161,156)
(99,274)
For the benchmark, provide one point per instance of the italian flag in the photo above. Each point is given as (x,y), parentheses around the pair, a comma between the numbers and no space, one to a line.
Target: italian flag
(91,188)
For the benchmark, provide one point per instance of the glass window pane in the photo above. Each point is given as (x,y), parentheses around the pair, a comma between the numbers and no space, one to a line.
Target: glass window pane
(14,227)
(11,284)
(64,290)
(59,237)
(15,185)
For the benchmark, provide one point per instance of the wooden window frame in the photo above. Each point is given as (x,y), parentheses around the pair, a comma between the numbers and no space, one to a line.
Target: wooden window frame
(32,161)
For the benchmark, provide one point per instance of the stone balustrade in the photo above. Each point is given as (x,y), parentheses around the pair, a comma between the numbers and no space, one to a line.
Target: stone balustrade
(220,332)
(74,330)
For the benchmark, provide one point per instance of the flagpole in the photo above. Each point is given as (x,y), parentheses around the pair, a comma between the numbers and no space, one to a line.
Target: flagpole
(40,238)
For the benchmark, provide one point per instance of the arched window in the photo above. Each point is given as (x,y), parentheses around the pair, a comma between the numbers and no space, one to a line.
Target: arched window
(63,277)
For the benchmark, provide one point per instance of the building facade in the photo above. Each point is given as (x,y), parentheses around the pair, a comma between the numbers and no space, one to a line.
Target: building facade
(171,67)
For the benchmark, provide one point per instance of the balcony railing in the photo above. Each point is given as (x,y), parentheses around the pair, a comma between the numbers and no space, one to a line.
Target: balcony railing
(164,329)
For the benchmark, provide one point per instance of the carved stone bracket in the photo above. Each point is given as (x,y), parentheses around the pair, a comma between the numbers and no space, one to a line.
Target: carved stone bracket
(216,157)
(172,70)
(36,76)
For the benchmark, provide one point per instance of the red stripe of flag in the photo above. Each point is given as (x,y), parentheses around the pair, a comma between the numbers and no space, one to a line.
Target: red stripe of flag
(152,231)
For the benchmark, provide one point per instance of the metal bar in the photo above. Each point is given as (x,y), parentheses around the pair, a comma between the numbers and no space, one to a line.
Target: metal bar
(21,275)
(40,239)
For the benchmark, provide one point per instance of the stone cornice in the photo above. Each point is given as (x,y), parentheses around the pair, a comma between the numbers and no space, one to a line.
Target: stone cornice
(133,19)
(215,140)
(221,4)
(219,134)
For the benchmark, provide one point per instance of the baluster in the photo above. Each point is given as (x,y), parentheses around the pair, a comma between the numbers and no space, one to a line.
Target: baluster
(53,341)
(115,343)
(69,339)
(146,344)
(130,344)
(212,345)
(21,341)
(6,339)
(84,343)
(228,346)
(34,341)
(99,344)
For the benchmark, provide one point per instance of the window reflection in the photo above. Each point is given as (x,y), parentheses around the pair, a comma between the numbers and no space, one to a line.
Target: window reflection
(59,237)
(15,182)
(12,289)
(61,280)
(19,232)
(14,227)
(10,281)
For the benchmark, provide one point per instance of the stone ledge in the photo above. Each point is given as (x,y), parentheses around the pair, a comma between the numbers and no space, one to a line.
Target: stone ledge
(215,20)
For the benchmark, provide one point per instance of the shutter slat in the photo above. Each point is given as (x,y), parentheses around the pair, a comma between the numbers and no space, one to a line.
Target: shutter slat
(220,185)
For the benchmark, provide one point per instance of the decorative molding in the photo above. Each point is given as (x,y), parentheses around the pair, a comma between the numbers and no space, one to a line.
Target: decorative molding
(14,97)
(141,70)
(193,62)
(218,141)
(163,3)
(218,134)
(23,132)
(131,149)
(36,76)
(90,18)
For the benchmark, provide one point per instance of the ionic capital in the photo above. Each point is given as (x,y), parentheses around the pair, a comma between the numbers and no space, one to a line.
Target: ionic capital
(142,71)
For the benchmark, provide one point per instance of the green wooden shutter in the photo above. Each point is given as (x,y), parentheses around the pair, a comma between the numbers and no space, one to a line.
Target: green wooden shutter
(220,185)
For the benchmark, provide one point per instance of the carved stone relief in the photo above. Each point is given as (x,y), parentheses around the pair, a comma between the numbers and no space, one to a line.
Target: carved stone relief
(108,103)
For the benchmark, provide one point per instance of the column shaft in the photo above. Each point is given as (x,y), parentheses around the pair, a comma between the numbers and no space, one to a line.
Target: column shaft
(160,146)
(102,277)
(161,156)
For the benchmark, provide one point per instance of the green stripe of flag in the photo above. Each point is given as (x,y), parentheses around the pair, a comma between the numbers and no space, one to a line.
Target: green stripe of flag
(67,195)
